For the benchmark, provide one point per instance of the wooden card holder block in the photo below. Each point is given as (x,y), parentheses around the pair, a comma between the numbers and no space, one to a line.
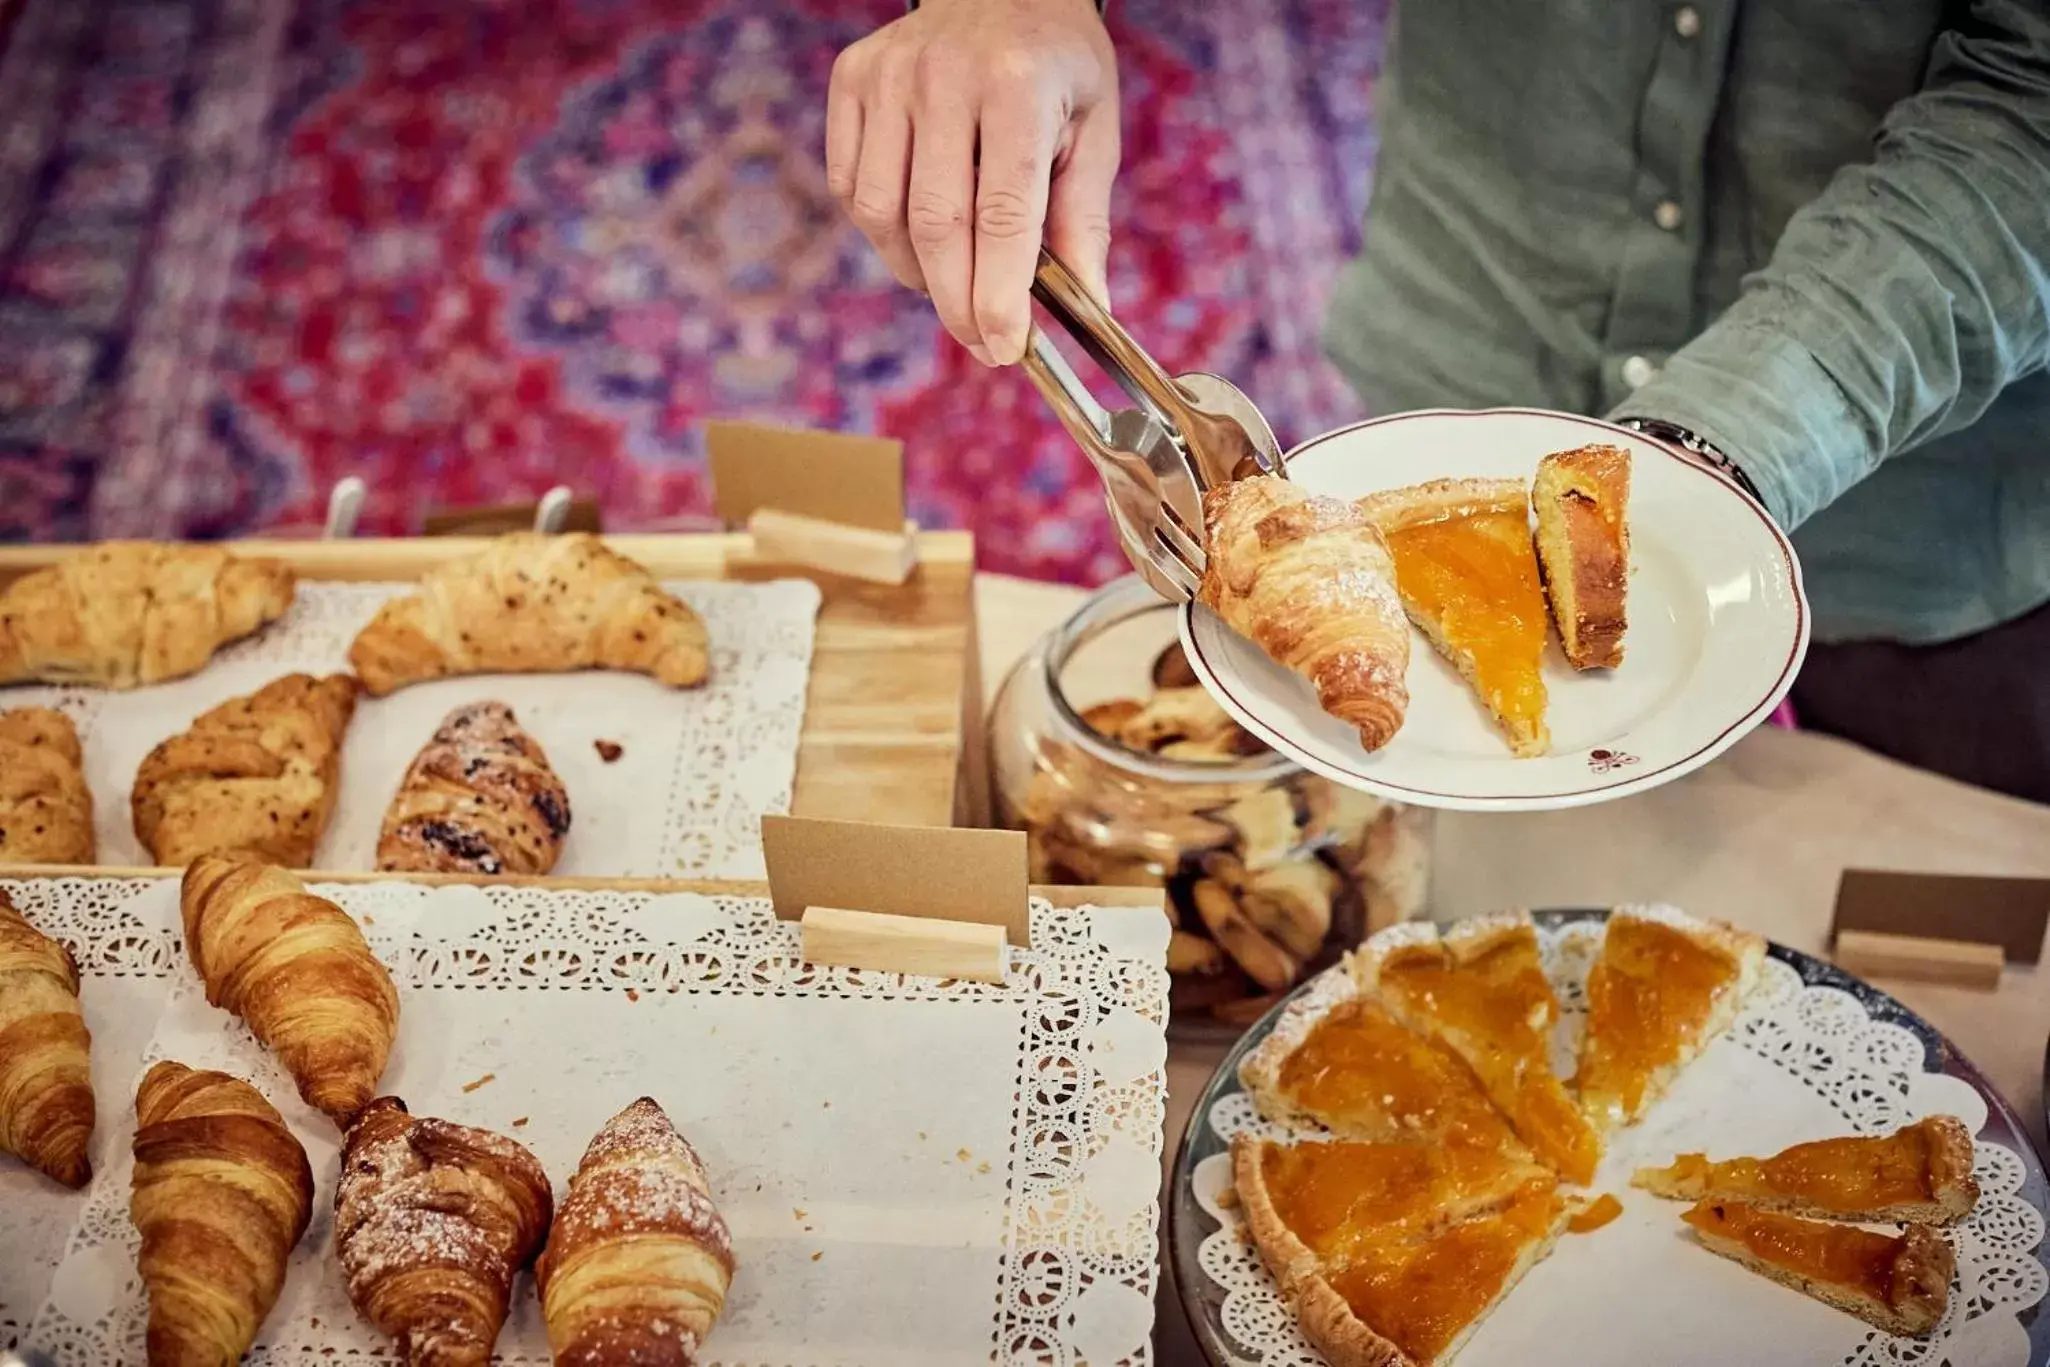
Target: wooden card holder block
(1961,963)
(857,552)
(903,944)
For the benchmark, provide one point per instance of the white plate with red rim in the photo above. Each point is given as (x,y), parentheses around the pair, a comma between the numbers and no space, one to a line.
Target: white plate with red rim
(1718,626)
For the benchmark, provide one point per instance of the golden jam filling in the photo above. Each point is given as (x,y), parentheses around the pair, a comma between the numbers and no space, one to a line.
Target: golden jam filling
(1498,1009)
(1360,1068)
(1339,1197)
(1840,1255)
(1832,1174)
(1597,1213)
(1422,1295)
(1649,996)
(1477,577)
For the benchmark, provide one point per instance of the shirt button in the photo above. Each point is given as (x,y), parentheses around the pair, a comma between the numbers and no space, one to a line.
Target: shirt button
(1687,21)
(1666,215)
(1639,371)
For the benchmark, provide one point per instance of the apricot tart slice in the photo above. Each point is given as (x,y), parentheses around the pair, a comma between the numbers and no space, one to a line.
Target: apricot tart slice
(1392,1254)
(1467,570)
(1581,499)
(1339,1059)
(1922,1172)
(1899,1282)
(1479,987)
(1664,985)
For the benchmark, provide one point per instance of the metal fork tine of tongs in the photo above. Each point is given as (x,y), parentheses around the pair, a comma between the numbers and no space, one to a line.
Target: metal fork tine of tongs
(1188,433)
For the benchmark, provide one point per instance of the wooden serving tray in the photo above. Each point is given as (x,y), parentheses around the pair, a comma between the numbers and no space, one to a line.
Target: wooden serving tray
(894,691)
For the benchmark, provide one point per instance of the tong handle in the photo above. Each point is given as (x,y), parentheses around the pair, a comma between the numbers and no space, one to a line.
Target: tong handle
(1087,421)
(1111,347)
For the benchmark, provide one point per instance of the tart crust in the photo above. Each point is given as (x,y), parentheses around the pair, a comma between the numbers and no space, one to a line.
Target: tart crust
(1899,1283)
(1921,1173)
(1581,499)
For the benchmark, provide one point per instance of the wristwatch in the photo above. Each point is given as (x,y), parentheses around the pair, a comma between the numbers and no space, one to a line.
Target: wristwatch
(1699,447)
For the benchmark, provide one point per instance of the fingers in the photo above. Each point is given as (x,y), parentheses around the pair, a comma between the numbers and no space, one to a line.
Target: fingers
(843,125)
(939,208)
(1018,134)
(882,172)
(1078,207)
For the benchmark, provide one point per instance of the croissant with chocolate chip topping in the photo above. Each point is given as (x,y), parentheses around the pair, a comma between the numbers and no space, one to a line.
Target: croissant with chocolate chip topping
(257,775)
(46,807)
(479,798)
(529,603)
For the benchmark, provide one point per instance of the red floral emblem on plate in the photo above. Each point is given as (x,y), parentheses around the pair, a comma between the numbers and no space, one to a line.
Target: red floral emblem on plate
(1607,761)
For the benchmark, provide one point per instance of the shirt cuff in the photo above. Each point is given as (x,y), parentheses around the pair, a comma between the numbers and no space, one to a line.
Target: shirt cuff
(1766,403)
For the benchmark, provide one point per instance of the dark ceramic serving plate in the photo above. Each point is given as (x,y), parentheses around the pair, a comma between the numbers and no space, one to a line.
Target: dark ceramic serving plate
(1188,1224)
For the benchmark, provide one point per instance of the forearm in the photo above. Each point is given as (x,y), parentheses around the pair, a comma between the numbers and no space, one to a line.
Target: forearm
(1901,301)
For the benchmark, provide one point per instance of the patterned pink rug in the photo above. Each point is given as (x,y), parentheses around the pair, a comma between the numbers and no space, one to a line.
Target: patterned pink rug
(473,248)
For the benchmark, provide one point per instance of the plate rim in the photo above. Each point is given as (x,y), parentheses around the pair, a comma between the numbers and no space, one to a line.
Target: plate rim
(1180,1258)
(1582,796)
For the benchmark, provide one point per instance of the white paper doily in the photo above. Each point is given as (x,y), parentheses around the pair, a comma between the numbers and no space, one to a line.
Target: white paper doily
(1802,1062)
(914,1171)
(695,772)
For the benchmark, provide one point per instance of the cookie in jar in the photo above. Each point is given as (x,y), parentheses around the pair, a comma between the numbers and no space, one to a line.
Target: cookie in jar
(1123,771)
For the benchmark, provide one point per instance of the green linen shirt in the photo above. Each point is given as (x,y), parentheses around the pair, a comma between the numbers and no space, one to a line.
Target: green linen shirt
(1815,232)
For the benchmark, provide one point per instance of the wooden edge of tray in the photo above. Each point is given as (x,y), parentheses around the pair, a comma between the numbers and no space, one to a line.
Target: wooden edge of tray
(1058,894)
(680,555)
(893,709)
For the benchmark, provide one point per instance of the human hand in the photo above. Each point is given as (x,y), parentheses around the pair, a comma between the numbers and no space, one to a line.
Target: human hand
(960,135)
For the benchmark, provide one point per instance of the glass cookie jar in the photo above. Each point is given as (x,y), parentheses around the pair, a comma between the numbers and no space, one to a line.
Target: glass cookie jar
(1122,771)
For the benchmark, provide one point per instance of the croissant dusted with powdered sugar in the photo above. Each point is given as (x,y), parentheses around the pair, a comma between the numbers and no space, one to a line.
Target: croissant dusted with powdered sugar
(125,613)
(432,1222)
(1309,580)
(46,809)
(221,1194)
(256,775)
(639,1258)
(297,969)
(480,797)
(46,1082)
(531,603)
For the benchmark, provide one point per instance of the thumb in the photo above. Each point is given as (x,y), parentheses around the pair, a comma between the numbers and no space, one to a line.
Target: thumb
(1078,203)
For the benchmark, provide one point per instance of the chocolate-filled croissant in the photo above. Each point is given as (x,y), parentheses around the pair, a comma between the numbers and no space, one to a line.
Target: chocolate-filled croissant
(432,1222)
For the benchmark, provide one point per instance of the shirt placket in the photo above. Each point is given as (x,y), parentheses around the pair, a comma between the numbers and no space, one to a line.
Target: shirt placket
(1652,311)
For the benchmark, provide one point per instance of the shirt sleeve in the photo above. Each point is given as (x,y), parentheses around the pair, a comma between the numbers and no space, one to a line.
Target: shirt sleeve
(1900,301)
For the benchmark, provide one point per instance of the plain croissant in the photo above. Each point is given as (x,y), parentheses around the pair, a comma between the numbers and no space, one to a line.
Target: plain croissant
(125,613)
(222,1192)
(297,969)
(46,1083)
(529,603)
(480,797)
(46,809)
(432,1222)
(639,1258)
(256,775)
(1309,580)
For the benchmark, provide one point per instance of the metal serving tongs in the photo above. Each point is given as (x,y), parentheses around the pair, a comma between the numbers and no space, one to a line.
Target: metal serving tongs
(1189,433)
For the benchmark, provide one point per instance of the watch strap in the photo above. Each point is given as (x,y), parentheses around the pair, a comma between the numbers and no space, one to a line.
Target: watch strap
(1700,447)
